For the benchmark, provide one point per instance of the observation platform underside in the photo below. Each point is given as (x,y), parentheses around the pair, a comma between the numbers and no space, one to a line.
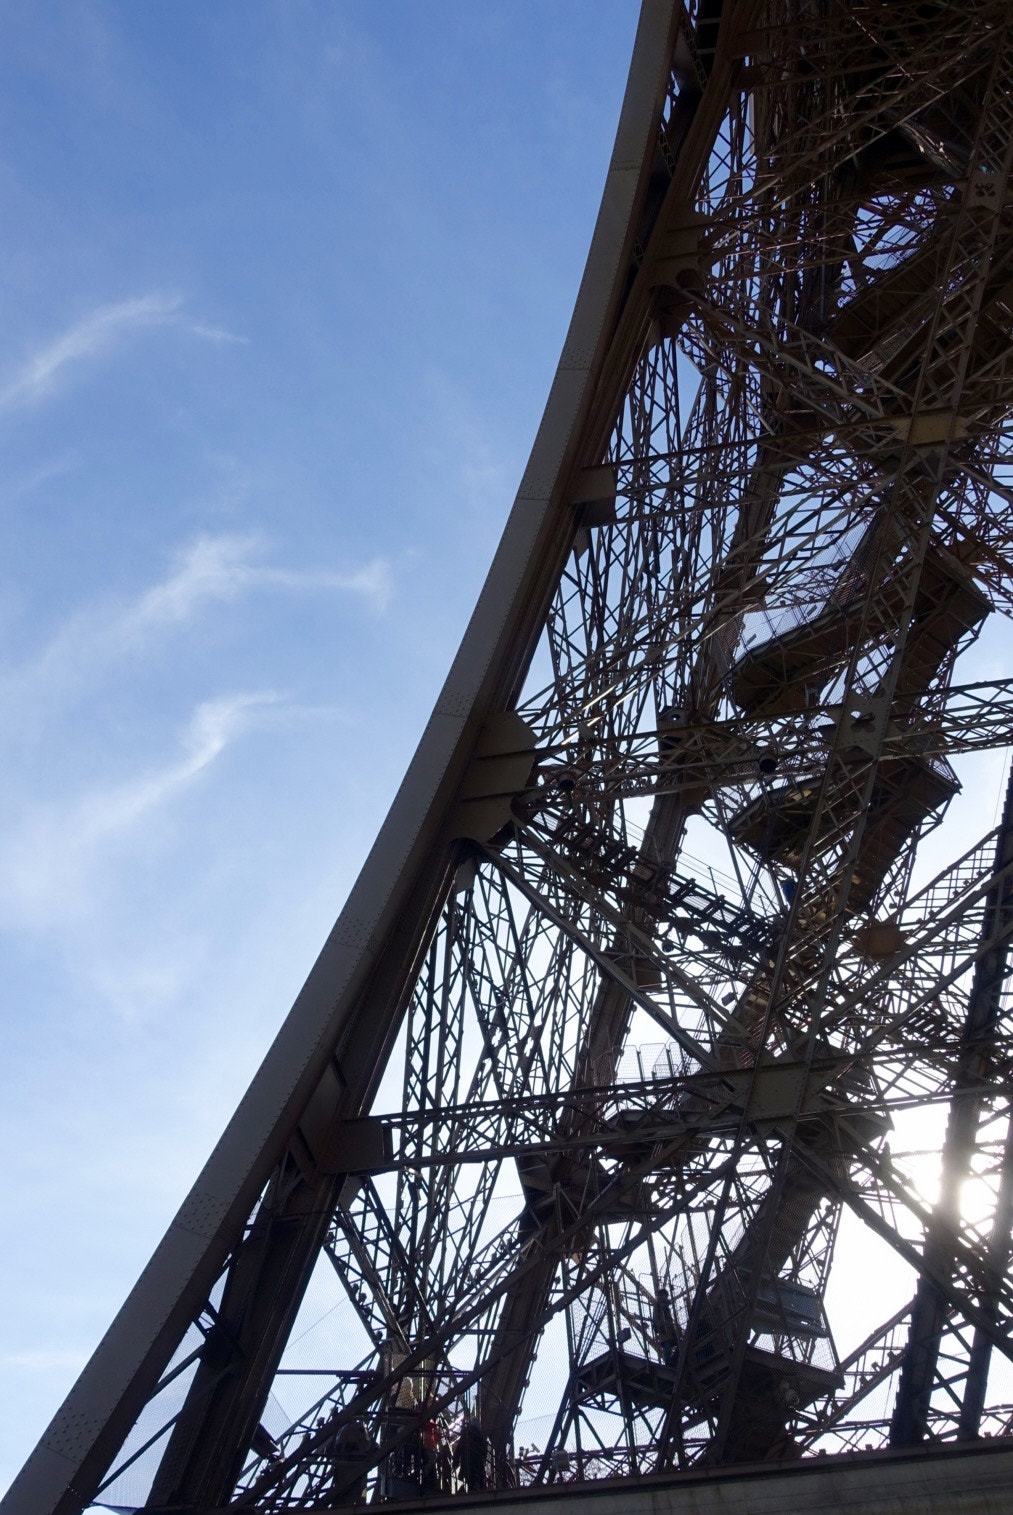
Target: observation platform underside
(971,1480)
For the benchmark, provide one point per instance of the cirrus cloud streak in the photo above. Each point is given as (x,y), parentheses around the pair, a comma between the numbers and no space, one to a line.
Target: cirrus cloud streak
(96,333)
(49,862)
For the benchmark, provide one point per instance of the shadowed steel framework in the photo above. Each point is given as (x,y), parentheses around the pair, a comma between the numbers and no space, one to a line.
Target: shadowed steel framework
(666,979)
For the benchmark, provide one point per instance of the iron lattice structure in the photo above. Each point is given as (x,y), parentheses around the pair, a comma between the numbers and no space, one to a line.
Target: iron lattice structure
(651,961)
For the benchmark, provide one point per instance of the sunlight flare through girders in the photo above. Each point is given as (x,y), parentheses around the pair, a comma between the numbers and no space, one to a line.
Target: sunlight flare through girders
(916,1149)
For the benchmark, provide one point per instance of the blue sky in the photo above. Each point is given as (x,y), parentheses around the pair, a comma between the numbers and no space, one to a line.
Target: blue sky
(284,283)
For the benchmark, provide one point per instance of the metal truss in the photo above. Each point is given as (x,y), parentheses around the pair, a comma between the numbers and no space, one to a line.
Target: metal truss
(667,972)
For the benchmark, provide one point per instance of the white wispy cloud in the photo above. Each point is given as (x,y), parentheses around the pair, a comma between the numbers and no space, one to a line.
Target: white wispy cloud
(211,570)
(217,334)
(49,863)
(87,338)
(95,334)
(224,567)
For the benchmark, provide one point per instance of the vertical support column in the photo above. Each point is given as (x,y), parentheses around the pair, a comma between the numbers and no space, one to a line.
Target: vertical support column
(978,1040)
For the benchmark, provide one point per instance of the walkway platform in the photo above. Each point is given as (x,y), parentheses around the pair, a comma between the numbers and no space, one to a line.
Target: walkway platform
(976,1479)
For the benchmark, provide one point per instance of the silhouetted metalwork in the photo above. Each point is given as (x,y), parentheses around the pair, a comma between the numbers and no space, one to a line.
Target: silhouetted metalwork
(652,978)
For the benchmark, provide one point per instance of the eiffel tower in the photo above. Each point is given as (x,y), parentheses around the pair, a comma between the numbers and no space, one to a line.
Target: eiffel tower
(668,1003)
